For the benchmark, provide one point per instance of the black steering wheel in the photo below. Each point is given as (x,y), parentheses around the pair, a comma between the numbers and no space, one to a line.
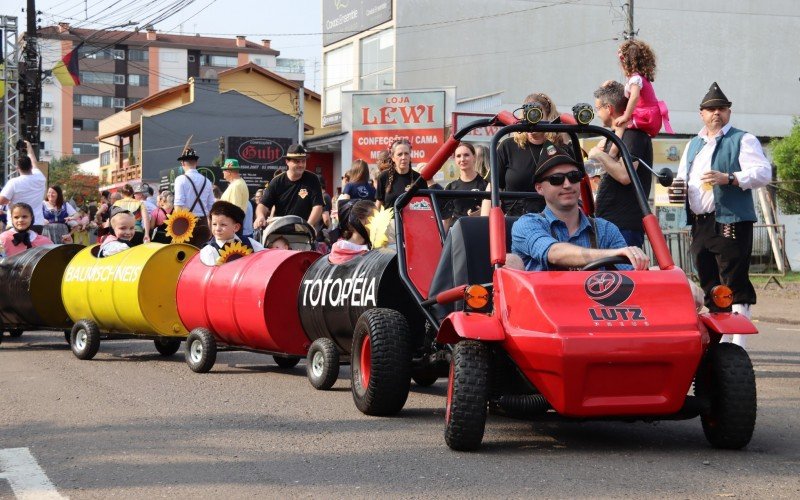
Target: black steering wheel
(605,261)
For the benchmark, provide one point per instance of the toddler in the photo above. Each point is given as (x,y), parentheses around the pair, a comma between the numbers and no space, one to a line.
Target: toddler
(226,221)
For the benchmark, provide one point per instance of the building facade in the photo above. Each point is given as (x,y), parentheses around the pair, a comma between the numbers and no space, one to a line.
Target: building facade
(119,68)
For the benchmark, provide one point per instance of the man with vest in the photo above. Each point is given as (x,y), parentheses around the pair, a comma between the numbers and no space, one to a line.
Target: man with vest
(194,192)
(562,237)
(721,166)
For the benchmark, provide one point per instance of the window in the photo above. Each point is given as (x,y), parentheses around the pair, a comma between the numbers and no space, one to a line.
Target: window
(105,158)
(84,148)
(46,121)
(92,101)
(85,124)
(94,52)
(377,61)
(97,77)
(338,77)
(119,102)
(119,79)
(132,100)
(118,54)
(138,55)
(138,80)
(219,61)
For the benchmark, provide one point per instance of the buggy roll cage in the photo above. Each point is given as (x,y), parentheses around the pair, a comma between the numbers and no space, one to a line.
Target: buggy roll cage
(497,231)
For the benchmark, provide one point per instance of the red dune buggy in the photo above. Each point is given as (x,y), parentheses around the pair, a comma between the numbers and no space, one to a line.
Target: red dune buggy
(591,344)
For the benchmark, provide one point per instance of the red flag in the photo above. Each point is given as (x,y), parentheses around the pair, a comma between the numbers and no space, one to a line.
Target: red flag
(67,70)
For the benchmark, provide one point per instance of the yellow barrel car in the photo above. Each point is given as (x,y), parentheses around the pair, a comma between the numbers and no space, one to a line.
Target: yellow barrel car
(127,295)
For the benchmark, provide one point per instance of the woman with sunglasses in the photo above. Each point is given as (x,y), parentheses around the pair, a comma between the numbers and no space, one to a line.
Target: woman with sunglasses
(396,180)
(516,161)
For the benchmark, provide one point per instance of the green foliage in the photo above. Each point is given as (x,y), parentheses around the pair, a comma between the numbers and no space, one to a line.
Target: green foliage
(81,187)
(786,156)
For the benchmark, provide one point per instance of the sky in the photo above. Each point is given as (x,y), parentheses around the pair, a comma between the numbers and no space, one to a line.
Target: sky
(293,25)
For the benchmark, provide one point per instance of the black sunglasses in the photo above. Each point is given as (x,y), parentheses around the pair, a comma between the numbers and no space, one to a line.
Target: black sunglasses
(574,177)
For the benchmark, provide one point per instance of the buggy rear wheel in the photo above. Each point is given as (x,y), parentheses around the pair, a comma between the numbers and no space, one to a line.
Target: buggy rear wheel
(725,379)
(322,364)
(167,347)
(286,362)
(201,350)
(467,396)
(85,339)
(380,375)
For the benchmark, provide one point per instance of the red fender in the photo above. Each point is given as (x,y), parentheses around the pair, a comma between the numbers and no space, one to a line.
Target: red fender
(472,326)
(728,323)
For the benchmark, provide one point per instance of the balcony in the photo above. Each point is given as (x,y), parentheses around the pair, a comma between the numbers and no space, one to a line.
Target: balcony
(126,173)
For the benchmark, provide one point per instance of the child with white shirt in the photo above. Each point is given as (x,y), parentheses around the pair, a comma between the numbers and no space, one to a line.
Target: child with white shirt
(226,221)
(123,222)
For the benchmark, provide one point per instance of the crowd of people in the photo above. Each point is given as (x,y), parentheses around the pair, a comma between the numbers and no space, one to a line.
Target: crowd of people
(720,165)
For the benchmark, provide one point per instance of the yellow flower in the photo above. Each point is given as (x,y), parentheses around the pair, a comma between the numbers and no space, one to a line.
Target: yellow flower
(232,251)
(377,225)
(180,225)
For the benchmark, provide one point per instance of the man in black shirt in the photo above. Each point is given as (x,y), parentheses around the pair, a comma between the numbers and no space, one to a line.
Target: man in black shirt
(296,192)
(616,198)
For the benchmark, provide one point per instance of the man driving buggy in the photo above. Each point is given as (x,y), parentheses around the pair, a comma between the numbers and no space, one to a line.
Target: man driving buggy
(561,236)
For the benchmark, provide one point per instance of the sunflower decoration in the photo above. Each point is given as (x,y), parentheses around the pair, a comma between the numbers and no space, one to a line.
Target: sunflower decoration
(378,225)
(232,251)
(180,225)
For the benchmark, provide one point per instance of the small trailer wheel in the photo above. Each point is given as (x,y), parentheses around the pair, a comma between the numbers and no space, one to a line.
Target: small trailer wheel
(85,339)
(201,350)
(322,364)
(286,362)
(167,347)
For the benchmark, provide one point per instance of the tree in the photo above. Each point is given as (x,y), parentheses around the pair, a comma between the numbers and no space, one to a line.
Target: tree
(76,185)
(786,156)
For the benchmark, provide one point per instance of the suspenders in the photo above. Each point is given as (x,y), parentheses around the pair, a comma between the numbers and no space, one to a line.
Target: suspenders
(197,195)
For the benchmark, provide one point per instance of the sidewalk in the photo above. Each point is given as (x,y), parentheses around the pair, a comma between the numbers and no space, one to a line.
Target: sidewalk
(776,304)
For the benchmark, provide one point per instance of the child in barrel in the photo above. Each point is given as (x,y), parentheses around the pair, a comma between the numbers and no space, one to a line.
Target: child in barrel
(20,236)
(355,238)
(123,224)
(224,245)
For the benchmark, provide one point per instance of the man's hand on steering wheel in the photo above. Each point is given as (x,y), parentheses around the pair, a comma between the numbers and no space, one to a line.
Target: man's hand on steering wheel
(638,259)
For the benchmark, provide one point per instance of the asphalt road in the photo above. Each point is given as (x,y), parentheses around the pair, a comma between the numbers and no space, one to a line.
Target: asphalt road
(132,424)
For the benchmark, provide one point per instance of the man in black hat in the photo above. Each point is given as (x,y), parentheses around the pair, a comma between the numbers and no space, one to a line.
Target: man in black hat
(721,166)
(194,192)
(297,192)
(562,237)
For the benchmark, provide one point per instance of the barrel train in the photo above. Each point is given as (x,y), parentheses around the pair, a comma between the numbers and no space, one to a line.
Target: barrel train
(441,304)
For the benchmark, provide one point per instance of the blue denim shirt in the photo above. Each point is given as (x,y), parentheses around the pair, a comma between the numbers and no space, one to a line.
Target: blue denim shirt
(531,237)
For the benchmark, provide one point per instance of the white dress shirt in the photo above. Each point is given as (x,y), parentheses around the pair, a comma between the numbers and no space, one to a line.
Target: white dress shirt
(756,170)
(209,255)
(185,196)
(27,188)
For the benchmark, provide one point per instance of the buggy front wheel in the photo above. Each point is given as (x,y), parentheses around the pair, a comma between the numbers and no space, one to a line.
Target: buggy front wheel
(467,396)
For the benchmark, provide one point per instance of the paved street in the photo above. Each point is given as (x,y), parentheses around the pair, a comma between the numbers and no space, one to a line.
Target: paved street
(131,424)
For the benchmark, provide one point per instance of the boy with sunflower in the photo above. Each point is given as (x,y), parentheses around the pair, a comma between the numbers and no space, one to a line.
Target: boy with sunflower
(224,245)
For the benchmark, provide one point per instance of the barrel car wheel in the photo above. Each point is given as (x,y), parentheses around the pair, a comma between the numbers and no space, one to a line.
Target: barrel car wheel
(380,375)
(286,362)
(322,364)
(167,347)
(201,350)
(85,339)
(725,379)
(467,396)
(15,333)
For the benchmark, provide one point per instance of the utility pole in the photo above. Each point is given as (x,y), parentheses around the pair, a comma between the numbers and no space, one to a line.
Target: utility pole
(630,34)
(30,80)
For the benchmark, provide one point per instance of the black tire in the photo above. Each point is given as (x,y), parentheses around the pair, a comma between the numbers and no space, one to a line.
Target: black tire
(286,362)
(467,396)
(380,374)
(201,350)
(322,364)
(85,339)
(725,379)
(15,333)
(167,347)
(425,378)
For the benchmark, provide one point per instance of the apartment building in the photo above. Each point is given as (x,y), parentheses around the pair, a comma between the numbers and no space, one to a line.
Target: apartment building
(119,68)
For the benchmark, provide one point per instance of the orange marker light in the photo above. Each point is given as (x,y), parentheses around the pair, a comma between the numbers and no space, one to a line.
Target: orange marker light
(722,296)
(476,296)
